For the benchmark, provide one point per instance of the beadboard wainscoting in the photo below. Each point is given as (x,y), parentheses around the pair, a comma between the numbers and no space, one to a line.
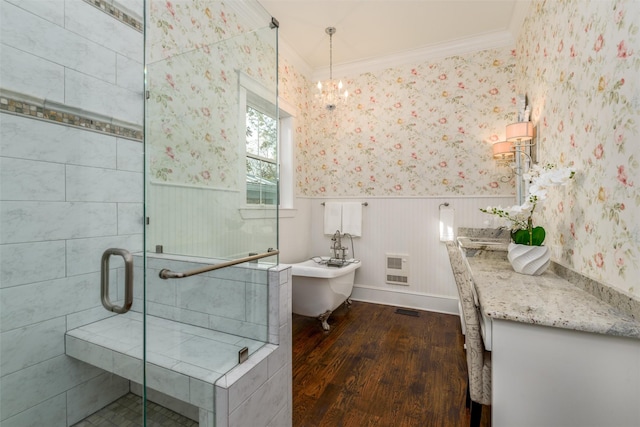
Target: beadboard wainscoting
(407,226)
(201,221)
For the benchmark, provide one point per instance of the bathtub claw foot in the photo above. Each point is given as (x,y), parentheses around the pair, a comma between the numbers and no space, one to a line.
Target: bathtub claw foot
(323,318)
(348,302)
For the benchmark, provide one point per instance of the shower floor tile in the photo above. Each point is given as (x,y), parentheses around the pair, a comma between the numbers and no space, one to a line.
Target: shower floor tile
(127,412)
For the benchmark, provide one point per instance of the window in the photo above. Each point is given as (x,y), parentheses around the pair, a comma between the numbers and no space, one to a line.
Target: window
(262,163)
(269,149)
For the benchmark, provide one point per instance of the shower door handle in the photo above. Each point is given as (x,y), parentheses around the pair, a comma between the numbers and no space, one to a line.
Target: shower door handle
(128,280)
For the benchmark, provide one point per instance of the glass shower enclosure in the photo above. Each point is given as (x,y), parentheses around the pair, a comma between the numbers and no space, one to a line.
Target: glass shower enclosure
(211,146)
(138,222)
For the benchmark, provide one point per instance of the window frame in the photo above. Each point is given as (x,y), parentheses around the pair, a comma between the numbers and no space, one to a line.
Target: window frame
(254,94)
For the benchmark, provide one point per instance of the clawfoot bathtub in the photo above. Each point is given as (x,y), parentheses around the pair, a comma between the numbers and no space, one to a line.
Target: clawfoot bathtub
(319,289)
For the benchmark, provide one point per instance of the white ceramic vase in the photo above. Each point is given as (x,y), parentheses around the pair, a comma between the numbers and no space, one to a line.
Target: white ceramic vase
(531,260)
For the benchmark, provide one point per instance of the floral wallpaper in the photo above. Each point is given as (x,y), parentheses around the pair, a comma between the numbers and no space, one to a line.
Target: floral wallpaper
(424,129)
(196,51)
(579,62)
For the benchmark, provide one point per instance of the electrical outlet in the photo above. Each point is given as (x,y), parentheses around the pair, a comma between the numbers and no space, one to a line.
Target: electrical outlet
(556,252)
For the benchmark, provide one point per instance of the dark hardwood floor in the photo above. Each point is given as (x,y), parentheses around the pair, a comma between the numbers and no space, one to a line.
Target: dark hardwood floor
(379,368)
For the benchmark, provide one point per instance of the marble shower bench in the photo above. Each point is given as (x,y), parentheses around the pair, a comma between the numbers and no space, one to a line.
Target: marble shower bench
(197,366)
(183,361)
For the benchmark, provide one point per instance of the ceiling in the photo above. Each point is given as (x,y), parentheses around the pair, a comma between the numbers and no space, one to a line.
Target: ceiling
(373,29)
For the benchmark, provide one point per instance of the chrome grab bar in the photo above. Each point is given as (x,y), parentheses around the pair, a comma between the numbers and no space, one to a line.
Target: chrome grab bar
(128,280)
(165,273)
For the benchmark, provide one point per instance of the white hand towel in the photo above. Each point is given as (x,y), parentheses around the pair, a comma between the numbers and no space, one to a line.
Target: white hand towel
(352,218)
(447,215)
(332,217)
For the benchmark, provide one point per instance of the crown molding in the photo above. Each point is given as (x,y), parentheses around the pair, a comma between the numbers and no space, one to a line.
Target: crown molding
(252,15)
(255,16)
(441,50)
(291,56)
(520,12)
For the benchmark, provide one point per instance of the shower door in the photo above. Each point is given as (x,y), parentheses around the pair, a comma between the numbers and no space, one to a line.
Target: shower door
(94,188)
(211,196)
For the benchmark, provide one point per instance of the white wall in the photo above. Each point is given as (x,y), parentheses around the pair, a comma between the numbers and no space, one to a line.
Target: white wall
(294,232)
(392,225)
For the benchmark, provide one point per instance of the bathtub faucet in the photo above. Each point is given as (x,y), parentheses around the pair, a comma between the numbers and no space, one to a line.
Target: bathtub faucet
(338,251)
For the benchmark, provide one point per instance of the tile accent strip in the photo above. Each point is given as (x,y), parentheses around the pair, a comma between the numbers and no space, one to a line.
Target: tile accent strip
(21,107)
(118,14)
(32,110)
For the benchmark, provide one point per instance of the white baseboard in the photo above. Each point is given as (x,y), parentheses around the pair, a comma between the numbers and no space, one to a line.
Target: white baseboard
(435,303)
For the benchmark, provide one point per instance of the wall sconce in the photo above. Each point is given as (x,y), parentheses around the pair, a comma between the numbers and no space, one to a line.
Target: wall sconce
(504,152)
(519,134)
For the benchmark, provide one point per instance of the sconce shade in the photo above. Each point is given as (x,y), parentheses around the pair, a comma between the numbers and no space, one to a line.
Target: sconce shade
(503,150)
(520,131)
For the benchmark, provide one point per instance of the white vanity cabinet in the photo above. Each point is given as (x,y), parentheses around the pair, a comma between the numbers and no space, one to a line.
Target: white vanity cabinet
(561,357)
(547,376)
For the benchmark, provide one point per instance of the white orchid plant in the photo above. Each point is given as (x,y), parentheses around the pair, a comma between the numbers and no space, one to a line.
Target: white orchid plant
(520,216)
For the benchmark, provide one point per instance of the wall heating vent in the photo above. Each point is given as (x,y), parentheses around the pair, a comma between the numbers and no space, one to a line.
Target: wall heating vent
(398,269)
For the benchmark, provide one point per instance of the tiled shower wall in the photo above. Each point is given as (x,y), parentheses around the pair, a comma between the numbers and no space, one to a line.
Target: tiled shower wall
(231,300)
(71,116)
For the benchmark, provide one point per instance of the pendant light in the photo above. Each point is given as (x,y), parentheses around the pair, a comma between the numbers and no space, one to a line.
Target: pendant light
(331,92)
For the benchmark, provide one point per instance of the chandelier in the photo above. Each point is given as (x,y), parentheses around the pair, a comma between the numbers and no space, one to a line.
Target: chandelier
(331,93)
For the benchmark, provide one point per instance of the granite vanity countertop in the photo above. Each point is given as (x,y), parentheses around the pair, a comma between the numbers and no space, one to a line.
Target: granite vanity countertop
(486,244)
(547,299)
(489,239)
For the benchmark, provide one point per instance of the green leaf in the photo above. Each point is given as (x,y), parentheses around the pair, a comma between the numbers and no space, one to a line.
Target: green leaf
(522,237)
